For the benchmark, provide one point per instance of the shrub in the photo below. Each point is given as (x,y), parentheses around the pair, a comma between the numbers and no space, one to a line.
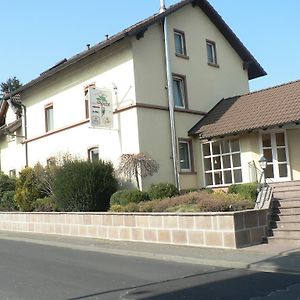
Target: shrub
(84,186)
(162,190)
(246,190)
(6,183)
(127,196)
(45,204)
(27,189)
(8,202)
(193,202)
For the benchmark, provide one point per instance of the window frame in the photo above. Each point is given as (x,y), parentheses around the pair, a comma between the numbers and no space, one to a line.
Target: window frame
(181,34)
(86,98)
(47,108)
(189,144)
(212,45)
(183,86)
(211,156)
(12,173)
(90,151)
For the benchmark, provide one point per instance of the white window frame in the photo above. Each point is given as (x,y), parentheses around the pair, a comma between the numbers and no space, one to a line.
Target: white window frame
(189,145)
(12,173)
(182,42)
(91,150)
(211,45)
(222,169)
(49,125)
(180,79)
(273,147)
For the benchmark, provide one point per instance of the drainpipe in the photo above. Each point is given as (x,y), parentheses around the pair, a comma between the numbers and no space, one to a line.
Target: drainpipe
(170,96)
(25,134)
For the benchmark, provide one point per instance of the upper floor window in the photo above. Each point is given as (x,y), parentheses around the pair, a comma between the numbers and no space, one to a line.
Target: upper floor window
(93,154)
(179,91)
(185,155)
(180,45)
(86,99)
(222,162)
(49,125)
(211,52)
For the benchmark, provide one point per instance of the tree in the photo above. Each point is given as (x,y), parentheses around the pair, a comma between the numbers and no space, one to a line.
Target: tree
(10,85)
(137,165)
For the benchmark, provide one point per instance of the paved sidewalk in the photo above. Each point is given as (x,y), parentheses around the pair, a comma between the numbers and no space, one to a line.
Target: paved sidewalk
(269,258)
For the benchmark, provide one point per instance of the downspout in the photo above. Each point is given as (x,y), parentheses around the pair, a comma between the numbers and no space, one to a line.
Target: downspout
(170,96)
(25,134)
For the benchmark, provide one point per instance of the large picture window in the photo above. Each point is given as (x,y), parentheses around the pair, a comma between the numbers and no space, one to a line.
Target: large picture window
(222,162)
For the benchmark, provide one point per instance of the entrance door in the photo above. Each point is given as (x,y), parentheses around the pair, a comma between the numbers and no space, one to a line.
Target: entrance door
(274,148)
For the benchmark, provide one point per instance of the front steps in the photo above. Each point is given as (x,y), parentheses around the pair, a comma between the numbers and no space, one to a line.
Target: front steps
(285,224)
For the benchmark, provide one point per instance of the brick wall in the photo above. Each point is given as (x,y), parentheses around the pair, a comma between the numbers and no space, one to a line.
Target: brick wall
(222,230)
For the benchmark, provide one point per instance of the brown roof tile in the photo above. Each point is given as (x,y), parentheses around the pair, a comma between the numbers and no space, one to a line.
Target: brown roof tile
(270,107)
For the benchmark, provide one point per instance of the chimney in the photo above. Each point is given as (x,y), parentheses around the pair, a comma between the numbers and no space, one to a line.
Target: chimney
(162,6)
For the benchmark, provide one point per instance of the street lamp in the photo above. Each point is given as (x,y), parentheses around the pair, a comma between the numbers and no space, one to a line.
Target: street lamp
(263,162)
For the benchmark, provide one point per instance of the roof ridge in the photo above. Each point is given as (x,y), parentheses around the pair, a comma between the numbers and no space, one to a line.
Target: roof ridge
(270,88)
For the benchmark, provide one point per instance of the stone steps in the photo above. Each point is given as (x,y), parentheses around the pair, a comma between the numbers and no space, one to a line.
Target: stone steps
(283,241)
(290,202)
(285,224)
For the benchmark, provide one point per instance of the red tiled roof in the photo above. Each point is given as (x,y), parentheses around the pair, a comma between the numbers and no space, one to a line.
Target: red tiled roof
(254,68)
(267,108)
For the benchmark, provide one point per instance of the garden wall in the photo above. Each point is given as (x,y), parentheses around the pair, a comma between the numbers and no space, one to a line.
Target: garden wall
(221,230)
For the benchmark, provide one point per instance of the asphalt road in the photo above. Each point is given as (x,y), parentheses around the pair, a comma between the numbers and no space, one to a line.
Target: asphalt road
(34,271)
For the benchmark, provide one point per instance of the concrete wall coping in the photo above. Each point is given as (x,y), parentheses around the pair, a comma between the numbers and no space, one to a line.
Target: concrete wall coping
(229,213)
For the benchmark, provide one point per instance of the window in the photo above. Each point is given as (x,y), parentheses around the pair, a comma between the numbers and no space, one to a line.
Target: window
(185,155)
(93,154)
(211,52)
(179,91)
(12,173)
(222,162)
(49,117)
(180,46)
(86,99)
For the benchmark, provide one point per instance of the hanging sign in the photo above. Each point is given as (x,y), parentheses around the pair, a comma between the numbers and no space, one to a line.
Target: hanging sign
(101,110)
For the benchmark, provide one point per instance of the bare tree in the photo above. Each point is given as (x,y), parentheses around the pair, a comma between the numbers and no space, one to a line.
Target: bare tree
(137,165)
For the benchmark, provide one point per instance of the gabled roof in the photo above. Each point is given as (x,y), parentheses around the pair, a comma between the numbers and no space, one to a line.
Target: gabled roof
(254,68)
(263,109)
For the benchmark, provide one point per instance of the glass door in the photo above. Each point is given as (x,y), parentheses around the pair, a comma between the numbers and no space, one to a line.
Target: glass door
(274,148)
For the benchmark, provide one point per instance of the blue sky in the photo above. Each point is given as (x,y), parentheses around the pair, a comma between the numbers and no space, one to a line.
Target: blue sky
(37,34)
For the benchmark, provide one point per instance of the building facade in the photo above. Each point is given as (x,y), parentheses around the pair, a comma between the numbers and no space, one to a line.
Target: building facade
(208,63)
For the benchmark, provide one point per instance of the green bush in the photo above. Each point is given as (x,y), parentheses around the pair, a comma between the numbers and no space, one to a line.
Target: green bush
(203,201)
(84,186)
(27,189)
(8,202)
(128,196)
(162,190)
(45,204)
(245,190)
(6,183)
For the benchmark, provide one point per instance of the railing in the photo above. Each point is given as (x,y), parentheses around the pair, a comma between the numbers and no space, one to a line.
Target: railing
(265,191)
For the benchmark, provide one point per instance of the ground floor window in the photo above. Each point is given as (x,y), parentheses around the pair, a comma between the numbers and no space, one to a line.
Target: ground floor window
(93,154)
(12,173)
(222,162)
(185,155)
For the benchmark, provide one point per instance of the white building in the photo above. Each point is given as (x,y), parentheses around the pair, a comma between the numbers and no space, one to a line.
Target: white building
(208,62)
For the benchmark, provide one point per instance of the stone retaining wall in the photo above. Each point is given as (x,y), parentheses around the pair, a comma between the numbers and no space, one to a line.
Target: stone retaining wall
(221,230)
